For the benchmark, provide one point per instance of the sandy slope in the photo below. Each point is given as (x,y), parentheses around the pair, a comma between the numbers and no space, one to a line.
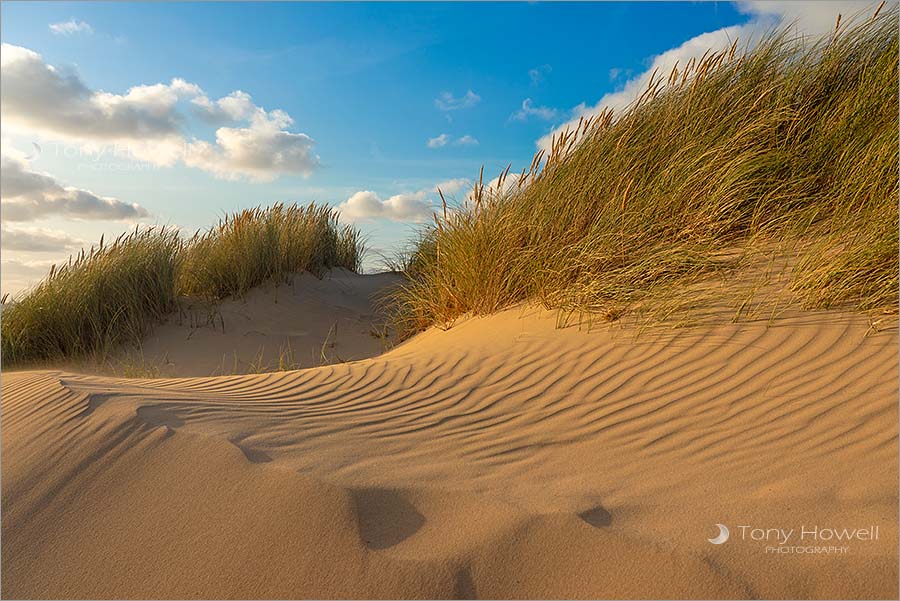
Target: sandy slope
(308,323)
(501,458)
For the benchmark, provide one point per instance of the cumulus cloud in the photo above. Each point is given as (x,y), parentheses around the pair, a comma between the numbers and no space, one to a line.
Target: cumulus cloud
(446,101)
(537,74)
(661,64)
(237,106)
(28,195)
(260,152)
(811,19)
(467,140)
(70,27)
(38,97)
(615,73)
(415,207)
(529,110)
(438,141)
(31,239)
(363,205)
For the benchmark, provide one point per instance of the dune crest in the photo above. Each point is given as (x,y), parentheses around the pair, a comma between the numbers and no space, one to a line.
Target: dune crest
(500,458)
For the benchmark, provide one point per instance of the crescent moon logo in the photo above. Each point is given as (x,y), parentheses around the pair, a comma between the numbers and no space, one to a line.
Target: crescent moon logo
(35,154)
(723,535)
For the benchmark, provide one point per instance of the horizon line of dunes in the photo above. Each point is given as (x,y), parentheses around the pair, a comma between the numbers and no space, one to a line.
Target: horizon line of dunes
(715,165)
(115,293)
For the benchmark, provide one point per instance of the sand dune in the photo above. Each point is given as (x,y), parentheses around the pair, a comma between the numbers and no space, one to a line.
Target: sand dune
(500,458)
(307,323)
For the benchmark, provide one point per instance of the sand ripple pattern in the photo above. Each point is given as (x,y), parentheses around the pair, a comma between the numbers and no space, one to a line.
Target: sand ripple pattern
(566,435)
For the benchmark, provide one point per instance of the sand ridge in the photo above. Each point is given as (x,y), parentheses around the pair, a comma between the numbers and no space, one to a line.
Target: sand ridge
(502,458)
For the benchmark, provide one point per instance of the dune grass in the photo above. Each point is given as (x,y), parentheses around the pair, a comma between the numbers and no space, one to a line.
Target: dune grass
(257,245)
(115,294)
(741,150)
(110,295)
(721,160)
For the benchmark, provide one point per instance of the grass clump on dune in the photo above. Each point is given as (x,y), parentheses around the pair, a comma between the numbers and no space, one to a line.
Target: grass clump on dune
(115,294)
(111,295)
(256,245)
(785,142)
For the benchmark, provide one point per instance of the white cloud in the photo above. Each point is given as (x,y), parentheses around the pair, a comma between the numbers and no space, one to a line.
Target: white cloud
(444,139)
(451,187)
(438,141)
(537,74)
(413,207)
(661,65)
(28,195)
(494,189)
(446,101)
(615,73)
(38,97)
(529,110)
(237,106)
(259,152)
(809,18)
(32,239)
(70,27)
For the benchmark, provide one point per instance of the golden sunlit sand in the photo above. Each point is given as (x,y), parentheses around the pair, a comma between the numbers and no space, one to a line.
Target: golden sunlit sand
(501,458)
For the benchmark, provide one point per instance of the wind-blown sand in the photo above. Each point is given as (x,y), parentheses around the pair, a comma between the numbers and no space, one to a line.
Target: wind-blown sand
(500,458)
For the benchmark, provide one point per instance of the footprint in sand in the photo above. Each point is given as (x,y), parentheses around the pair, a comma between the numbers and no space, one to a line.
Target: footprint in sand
(384,517)
(597,517)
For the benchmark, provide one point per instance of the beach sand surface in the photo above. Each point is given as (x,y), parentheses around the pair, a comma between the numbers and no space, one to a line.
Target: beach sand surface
(501,458)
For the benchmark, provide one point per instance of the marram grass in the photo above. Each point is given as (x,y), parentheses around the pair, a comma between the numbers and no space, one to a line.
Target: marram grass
(116,293)
(787,145)
(113,294)
(256,245)
(785,142)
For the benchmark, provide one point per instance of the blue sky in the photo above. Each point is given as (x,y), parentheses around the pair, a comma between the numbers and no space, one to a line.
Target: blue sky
(369,84)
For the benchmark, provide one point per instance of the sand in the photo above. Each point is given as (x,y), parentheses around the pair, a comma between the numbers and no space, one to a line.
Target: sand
(502,458)
(308,323)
